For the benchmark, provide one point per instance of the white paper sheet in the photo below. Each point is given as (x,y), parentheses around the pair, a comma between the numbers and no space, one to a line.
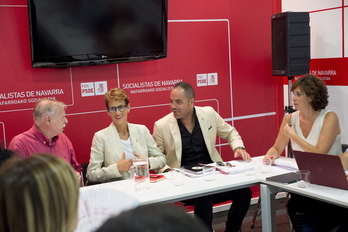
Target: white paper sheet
(96,205)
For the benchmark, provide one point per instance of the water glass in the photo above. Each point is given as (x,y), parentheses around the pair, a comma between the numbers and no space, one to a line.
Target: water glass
(304,178)
(141,175)
(265,166)
(178,177)
(209,173)
(250,167)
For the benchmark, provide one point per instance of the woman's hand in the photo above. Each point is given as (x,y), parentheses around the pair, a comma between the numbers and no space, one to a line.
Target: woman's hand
(124,164)
(289,130)
(268,158)
(139,156)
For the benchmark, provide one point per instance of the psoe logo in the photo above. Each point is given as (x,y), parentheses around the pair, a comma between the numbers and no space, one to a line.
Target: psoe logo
(212,78)
(206,79)
(93,88)
(100,87)
(202,79)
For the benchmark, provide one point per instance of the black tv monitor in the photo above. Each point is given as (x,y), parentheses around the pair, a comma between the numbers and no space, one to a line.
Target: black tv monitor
(70,33)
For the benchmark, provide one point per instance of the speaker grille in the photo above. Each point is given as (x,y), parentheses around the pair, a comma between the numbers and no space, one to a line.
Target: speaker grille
(290,43)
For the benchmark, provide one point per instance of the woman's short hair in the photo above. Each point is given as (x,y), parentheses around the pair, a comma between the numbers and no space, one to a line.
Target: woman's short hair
(314,88)
(115,94)
(38,194)
(47,107)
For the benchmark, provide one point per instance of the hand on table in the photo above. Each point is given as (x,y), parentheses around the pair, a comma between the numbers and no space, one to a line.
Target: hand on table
(241,153)
(267,158)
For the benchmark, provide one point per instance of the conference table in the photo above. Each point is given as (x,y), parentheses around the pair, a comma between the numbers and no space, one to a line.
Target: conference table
(268,189)
(164,191)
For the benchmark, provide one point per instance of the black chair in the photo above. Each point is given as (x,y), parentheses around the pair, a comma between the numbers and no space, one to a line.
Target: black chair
(85,180)
(84,172)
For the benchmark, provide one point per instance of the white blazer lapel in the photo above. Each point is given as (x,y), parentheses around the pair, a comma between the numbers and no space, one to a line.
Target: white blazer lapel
(205,128)
(174,129)
(134,136)
(114,141)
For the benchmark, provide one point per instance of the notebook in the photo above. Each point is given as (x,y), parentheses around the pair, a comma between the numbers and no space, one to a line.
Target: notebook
(194,168)
(325,169)
(286,178)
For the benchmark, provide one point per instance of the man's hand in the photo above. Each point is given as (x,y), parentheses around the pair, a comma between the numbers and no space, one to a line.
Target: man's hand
(241,153)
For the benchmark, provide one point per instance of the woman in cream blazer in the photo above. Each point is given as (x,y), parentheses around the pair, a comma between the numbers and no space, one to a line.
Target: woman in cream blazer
(114,147)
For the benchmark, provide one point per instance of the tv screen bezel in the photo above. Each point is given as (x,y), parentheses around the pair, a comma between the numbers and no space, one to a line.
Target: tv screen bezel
(91,59)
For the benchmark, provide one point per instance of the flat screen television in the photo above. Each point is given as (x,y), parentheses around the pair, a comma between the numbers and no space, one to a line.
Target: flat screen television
(70,33)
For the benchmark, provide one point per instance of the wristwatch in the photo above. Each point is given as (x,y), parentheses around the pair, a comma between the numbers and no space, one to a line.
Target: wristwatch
(167,170)
(238,148)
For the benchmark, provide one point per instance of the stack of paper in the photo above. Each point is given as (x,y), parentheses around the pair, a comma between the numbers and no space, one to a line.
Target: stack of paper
(96,205)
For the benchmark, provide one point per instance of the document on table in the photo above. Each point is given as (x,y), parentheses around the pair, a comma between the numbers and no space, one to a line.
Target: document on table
(286,163)
(96,205)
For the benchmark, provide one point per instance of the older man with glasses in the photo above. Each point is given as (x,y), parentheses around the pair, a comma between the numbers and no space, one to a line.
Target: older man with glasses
(46,135)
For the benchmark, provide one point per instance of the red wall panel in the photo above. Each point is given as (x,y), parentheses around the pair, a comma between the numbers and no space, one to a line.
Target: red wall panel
(228,39)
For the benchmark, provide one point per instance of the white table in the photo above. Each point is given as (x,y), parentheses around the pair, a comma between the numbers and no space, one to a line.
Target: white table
(269,189)
(165,192)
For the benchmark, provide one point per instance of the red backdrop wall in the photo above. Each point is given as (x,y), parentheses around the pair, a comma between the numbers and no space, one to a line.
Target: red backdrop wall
(225,41)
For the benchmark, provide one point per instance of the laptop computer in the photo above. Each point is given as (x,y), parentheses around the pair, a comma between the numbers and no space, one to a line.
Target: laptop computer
(325,169)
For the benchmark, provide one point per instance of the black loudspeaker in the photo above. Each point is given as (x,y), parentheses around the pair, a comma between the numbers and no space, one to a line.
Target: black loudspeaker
(290,43)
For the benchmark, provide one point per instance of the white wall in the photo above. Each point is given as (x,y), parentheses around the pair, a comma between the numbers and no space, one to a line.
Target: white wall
(328,40)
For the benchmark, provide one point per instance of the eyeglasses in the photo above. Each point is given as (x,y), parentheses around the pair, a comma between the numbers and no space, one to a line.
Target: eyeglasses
(120,108)
(219,163)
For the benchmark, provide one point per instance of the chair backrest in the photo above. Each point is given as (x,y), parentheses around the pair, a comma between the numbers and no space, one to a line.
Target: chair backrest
(85,181)
(344,147)
(84,172)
